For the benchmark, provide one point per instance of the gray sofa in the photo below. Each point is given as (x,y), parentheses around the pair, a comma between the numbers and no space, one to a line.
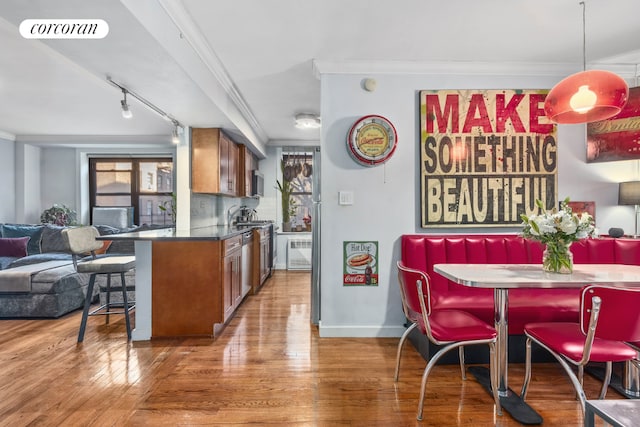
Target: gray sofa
(43,282)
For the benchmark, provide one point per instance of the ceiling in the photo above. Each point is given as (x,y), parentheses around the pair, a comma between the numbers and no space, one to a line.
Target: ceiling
(250,65)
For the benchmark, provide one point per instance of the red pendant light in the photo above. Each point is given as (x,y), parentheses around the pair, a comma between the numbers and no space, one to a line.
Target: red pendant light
(588,96)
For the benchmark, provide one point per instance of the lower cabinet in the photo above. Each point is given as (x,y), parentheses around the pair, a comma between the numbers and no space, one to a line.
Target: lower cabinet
(232,275)
(196,285)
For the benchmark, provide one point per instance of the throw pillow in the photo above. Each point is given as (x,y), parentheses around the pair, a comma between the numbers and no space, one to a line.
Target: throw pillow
(14,246)
(22,230)
(103,249)
(52,240)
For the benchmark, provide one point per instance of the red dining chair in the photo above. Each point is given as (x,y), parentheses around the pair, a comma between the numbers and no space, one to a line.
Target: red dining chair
(450,328)
(609,316)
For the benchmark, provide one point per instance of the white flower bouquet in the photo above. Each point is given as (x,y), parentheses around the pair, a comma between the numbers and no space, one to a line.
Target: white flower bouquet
(557,229)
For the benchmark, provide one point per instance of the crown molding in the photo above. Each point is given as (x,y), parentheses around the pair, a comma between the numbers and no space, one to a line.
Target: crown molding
(465,68)
(105,141)
(8,136)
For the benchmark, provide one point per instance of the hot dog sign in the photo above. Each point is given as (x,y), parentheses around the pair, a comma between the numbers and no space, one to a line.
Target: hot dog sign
(360,266)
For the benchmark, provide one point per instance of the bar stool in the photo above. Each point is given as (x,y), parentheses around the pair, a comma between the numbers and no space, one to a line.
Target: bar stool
(82,242)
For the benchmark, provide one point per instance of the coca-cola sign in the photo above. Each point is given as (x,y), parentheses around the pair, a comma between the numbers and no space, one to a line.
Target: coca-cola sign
(360,265)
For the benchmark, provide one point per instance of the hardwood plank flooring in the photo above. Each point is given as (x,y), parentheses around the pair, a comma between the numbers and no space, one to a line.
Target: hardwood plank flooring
(267,367)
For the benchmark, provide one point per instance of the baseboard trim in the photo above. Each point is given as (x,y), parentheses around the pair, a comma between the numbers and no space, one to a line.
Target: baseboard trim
(355,331)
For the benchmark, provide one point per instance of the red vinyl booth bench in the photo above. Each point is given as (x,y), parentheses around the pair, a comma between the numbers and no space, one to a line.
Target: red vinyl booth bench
(422,251)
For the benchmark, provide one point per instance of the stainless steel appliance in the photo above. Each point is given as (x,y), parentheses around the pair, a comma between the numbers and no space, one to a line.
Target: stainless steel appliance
(257,184)
(272,239)
(315,238)
(247,238)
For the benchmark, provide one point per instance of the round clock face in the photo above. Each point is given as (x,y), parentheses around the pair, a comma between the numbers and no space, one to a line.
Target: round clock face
(372,140)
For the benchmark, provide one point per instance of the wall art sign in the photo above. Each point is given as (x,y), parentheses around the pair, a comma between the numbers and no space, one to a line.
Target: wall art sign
(581,207)
(485,157)
(360,264)
(617,138)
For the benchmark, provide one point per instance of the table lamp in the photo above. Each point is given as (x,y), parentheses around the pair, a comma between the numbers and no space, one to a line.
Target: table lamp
(629,194)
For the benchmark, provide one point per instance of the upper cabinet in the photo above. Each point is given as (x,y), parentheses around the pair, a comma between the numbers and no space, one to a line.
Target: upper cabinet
(214,163)
(249,163)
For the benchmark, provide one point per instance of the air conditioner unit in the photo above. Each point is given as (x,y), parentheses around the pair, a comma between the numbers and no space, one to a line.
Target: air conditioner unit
(299,253)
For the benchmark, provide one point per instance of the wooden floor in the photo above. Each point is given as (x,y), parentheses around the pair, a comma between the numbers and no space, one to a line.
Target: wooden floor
(267,367)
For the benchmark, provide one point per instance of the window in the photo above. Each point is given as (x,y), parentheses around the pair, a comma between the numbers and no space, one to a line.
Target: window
(300,164)
(145,184)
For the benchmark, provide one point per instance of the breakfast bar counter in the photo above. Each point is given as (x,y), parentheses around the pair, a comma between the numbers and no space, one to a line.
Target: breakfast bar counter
(188,283)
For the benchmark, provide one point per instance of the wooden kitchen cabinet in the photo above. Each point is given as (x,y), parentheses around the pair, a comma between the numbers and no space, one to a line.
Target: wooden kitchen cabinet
(249,163)
(214,162)
(196,285)
(231,275)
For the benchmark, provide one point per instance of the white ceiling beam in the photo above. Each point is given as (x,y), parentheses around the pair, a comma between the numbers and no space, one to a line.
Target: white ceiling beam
(171,25)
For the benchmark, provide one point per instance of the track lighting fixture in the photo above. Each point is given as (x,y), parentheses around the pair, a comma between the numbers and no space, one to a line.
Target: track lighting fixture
(126,112)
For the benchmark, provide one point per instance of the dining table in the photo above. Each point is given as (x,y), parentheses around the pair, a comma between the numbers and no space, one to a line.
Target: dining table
(503,277)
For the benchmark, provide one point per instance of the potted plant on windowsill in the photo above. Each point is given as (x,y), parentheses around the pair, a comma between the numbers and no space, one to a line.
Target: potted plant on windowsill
(288,204)
(170,208)
(59,215)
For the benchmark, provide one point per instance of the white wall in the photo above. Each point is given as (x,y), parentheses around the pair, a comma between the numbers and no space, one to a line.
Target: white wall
(386,197)
(58,184)
(7,181)
(27,184)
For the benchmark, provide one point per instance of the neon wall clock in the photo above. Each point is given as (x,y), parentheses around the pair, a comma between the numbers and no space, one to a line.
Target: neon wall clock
(372,140)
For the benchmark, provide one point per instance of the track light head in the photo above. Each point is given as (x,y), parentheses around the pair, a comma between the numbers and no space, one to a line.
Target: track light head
(126,113)
(175,138)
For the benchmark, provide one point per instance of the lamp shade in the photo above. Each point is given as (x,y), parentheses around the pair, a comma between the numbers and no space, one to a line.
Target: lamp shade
(588,96)
(629,193)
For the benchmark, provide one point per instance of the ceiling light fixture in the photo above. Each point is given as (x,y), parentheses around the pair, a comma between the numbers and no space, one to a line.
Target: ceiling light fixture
(587,96)
(307,121)
(126,112)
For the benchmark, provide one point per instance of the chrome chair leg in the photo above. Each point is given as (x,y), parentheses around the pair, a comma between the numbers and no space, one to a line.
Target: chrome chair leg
(425,375)
(399,352)
(577,383)
(606,381)
(432,362)
(527,370)
(461,357)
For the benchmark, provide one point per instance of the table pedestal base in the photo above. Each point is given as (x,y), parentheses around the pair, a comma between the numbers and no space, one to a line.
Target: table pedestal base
(516,407)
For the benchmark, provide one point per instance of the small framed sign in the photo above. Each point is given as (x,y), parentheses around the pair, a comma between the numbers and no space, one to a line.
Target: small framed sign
(360,264)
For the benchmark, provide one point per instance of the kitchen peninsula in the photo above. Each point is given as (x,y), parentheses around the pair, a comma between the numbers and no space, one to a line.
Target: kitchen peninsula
(188,283)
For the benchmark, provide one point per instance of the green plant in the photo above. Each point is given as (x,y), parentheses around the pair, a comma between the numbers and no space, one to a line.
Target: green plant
(170,207)
(59,215)
(288,204)
(287,209)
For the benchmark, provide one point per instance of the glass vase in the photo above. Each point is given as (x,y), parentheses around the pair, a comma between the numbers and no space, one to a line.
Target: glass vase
(557,258)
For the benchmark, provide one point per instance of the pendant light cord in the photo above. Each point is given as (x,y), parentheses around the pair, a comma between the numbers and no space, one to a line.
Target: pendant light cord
(584,37)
